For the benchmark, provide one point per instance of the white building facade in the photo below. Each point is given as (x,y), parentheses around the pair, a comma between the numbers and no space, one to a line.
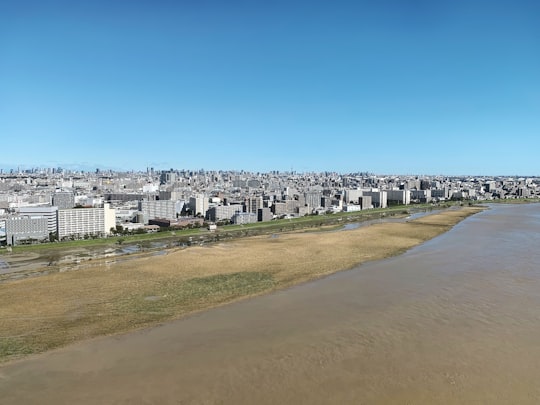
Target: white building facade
(42,211)
(162,209)
(79,222)
(26,230)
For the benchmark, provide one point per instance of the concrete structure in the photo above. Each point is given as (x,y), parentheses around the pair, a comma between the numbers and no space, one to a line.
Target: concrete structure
(399,196)
(443,193)
(353,196)
(292,206)
(253,204)
(42,211)
(80,222)
(63,200)
(264,214)
(223,212)
(157,209)
(313,199)
(167,177)
(126,215)
(279,208)
(365,202)
(244,218)
(124,197)
(326,202)
(422,196)
(26,229)
(199,204)
(2,232)
(150,188)
(379,198)
(130,226)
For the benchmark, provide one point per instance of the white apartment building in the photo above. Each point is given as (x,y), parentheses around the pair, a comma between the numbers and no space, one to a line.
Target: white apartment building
(399,196)
(199,204)
(42,211)
(353,195)
(79,222)
(221,212)
(162,209)
(241,218)
(19,229)
(379,198)
(253,204)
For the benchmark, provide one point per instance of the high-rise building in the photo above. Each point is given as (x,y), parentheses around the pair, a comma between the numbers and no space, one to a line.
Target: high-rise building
(223,212)
(313,199)
(26,229)
(42,211)
(198,204)
(80,222)
(167,177)
(253,204)
(163,209)
(264,214)
(63,200)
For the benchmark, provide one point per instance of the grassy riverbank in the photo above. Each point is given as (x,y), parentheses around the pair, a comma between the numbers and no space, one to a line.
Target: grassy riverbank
(33,260)
(181,235)
(38,314)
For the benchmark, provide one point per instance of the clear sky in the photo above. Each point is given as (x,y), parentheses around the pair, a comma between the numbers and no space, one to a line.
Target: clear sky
(404,87)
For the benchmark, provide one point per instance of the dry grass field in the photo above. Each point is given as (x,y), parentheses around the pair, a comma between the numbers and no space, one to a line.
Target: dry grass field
(38,314)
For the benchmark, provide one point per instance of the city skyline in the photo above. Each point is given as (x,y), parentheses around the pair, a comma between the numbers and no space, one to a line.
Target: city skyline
(74,168)
(448,88)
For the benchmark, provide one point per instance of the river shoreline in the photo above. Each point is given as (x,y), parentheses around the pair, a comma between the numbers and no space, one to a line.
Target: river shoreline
(52,311)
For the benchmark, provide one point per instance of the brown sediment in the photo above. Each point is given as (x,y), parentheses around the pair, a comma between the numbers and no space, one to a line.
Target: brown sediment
(57,309)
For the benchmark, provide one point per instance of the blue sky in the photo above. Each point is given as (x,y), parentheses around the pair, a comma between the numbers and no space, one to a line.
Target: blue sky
(405,87)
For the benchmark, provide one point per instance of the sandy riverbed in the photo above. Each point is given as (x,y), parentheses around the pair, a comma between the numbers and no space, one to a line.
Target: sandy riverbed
(58,309)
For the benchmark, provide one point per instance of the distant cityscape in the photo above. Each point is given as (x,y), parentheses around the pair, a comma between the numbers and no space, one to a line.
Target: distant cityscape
(55,204)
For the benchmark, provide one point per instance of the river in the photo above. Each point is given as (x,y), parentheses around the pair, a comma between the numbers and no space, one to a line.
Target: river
(455,320)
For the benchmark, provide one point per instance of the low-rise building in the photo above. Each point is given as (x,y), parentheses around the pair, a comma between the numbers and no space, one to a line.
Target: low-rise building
(244,218)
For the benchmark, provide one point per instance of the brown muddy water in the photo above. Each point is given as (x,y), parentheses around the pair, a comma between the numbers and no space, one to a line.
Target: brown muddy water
(455,320)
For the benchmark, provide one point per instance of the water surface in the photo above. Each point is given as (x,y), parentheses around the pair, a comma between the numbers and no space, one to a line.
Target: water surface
(455,320)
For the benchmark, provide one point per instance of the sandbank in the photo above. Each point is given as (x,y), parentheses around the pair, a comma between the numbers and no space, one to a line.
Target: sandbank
(39,314)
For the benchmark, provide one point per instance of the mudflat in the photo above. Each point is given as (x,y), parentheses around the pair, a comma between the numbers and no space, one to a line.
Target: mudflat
(266,350)
(39,314)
